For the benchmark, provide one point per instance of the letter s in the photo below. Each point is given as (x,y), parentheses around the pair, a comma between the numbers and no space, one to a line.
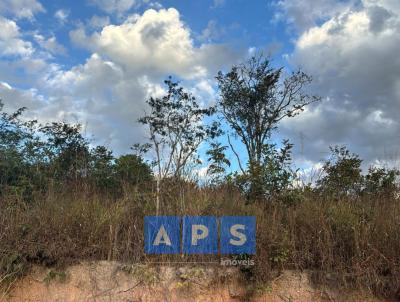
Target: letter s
(234,232)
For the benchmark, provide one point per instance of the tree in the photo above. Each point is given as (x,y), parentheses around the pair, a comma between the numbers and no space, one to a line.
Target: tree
(254,98)
(131,169)
(19,153)
(67,150)
(218,162)
(177,128)
(272,177)
(342,173)
(380,181)
(277,173)
(101,168)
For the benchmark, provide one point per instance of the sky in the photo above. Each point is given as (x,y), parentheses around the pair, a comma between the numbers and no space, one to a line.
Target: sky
(95,62)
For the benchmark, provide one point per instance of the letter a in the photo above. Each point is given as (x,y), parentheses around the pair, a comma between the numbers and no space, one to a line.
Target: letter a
(162,237)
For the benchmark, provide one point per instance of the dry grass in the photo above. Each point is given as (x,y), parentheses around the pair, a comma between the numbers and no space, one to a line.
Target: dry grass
(353,243)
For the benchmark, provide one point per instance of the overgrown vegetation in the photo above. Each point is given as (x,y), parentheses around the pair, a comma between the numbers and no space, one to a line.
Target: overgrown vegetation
(63,200)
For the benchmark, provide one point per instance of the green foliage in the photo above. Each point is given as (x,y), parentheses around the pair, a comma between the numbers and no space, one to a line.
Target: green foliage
(110,174)
(67,149)
(343,177)
(380,181)
(34,157)
(218,162)
(55,276)
(176,129)
(277,174)
(102,168)
(143,273)
(342,173)
(18,144)
(271,177)
(291,197)
(279,255)
(131,169)
(254,98)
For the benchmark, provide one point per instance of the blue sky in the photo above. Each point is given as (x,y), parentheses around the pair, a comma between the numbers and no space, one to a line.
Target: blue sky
(96,61)
(238,24)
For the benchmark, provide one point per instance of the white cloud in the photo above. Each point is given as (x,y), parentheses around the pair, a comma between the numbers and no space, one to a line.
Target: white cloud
(114,6)
(11,43)
(212,32)
(20,98)
(9,28)
(353,58)
(153,4)
(62,15)
(157,42)
(307,13)
(104,98)
(128,63)
(5,86)
(21,8)
(218,3)
(50,44)
(99,21)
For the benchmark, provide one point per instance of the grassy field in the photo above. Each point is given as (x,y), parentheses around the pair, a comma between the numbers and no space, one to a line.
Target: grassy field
(345,242)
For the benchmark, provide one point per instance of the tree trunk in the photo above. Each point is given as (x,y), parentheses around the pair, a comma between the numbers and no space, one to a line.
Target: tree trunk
(158,196)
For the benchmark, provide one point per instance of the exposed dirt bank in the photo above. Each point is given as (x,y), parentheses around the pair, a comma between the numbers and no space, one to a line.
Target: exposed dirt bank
(111,281)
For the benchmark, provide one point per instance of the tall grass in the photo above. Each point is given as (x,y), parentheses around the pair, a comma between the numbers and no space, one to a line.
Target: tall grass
(347,242)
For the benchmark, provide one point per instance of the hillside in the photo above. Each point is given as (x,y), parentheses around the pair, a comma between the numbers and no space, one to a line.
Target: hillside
(112,281)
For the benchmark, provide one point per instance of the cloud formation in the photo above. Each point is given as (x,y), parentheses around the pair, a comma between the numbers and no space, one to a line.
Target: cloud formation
(135,57)
(62,15)
(21,8)
(353,57)
(114,6)
(156,42)
(50,44)
(127,64)
(350,47)
(11,43)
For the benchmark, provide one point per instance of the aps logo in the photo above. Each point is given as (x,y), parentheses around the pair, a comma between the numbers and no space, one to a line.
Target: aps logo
(237,235)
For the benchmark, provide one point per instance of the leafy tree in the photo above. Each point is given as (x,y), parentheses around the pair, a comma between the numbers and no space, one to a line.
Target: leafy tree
(16,145)
(277,174)
(254,98)
(102,168)
(32,156)
(271,178)
(176,126)
(131,169)
(67,150)
(10,157)
(342,173)
(218,162)
(380,181)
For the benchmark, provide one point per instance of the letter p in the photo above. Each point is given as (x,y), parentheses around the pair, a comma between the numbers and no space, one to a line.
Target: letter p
(200,235)
(199,231)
